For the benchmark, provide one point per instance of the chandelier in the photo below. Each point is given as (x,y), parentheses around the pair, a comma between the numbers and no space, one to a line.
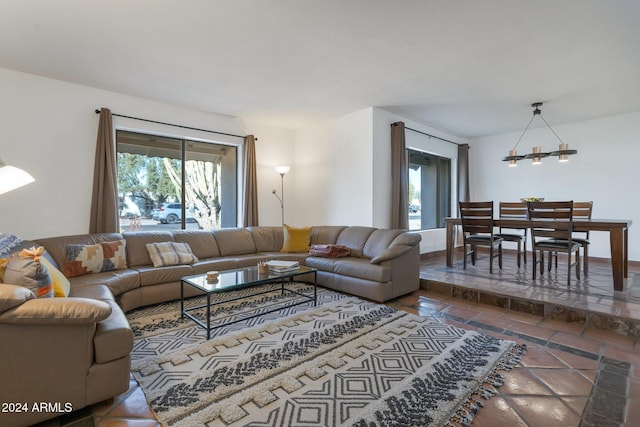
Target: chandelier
(537,154)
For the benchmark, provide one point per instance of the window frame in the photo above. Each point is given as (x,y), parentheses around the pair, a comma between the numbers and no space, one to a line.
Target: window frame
(440,215)
(195,137)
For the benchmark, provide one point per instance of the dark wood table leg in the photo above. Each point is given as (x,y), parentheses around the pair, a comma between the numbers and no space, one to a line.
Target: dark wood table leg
(626,252)
(450,244)
(616,241)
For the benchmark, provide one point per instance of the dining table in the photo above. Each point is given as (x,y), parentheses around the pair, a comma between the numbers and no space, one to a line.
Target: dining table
(618,230)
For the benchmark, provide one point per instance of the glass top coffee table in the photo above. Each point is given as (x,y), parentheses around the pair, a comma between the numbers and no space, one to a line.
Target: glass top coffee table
(230,280)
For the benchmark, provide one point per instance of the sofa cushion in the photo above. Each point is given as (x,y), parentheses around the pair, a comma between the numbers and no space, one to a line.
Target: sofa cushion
(13,295)
(202,243)
(296,239)
(150,276)
(267,238)
(97,258)
(322,264)
(137,253)
(57,246)
(218,264)
(362,269)
(234,241)
(95,291)
(118,281)
(379,240)
(164,254)
(404,242)
(113,339)
(355,238)
(250,260)
(325,234)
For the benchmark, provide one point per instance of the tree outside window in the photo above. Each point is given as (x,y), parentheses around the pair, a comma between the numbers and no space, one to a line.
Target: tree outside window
(175,181)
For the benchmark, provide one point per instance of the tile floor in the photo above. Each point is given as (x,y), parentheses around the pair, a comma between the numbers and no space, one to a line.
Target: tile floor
(573,373)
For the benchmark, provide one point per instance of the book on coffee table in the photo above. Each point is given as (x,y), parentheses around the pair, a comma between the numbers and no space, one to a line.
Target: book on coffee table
(279,266)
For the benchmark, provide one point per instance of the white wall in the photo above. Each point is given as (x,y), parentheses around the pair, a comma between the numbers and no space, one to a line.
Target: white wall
(334,172)
(49,128)
(343,170)
(605,170)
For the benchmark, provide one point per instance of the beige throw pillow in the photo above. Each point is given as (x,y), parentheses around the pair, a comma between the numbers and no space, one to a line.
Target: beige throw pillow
(170,253)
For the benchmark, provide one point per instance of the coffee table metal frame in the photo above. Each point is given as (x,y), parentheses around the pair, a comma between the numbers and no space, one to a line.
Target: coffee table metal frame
(230,280)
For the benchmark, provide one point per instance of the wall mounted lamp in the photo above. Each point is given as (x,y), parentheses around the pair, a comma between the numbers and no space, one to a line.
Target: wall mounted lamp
(537,154)
(12,177)
(282,170)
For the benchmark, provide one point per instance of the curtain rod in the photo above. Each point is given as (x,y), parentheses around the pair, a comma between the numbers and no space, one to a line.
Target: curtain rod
(177,126)
(433,136)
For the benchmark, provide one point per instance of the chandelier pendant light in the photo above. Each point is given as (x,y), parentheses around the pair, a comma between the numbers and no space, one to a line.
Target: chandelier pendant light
(537,154)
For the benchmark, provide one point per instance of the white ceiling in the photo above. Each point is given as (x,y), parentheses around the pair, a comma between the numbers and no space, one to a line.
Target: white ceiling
(469,67)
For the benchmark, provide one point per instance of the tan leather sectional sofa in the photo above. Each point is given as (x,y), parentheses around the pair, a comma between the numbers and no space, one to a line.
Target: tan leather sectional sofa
(76,351)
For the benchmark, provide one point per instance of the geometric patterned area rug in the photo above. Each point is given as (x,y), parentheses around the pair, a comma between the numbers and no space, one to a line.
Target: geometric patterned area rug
(346,361)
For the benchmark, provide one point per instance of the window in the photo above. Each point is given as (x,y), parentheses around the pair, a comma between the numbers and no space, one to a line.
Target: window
(429,190)
(170,183)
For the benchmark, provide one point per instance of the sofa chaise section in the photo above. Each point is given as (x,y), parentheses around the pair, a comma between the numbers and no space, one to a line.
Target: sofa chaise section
(71,351)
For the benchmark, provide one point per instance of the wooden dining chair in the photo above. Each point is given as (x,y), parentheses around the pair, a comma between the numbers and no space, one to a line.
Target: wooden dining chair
(477,230)
(581,210)
(551,231)
(514,210)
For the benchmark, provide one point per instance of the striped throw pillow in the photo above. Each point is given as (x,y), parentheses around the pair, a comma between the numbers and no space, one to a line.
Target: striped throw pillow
(170,253)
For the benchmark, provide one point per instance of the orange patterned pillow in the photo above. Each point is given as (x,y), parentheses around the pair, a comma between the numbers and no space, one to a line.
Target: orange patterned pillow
(98,258)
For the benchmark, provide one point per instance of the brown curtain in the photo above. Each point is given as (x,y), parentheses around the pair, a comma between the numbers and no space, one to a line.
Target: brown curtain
(250,183)
(463,173)
(399,178)
(104,200)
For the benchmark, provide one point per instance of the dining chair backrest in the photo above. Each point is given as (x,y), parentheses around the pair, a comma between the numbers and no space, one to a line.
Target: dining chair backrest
(476,217)
(515,210)
(551,220)
(582,210)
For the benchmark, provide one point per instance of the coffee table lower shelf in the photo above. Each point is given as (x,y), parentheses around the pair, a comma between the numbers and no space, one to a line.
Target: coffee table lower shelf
(231,280)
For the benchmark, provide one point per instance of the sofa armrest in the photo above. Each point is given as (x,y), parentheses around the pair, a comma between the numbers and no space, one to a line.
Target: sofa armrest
(390,253)
(57,311)
(13,295)
(400,245)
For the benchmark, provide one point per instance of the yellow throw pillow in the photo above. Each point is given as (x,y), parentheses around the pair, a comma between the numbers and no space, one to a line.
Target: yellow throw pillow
(61,285)
(296,239)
